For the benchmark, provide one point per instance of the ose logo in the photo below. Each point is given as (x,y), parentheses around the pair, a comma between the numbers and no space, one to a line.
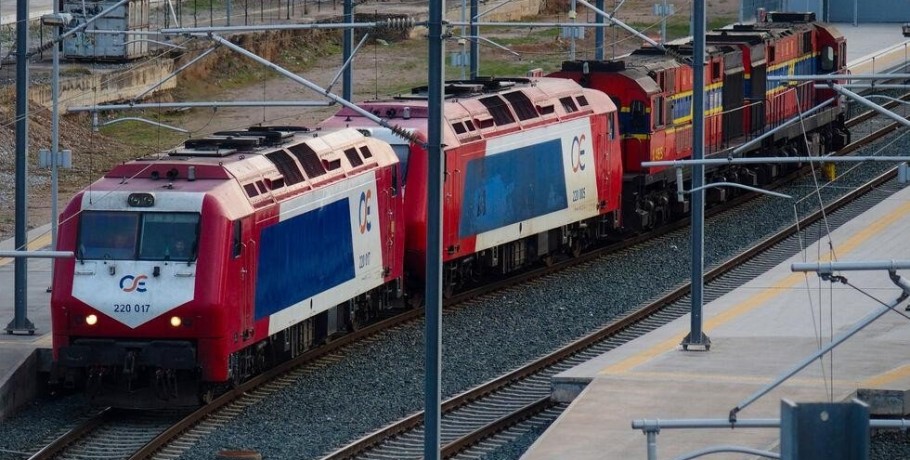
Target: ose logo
(576,154)
(364,211)
(138,283)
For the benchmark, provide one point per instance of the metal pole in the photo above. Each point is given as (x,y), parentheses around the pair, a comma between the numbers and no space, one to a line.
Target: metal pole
(20,322)
(174,73)
(55,135)
(767,160)
(208,104)
(572,15)
(293,76)
(435,158)
(347,63)
(652,445)
(696,337)
(599,33)
(855,13)
(856,97)
(836,77)
(625,26)
(269,27)
(663,22)
(475,44)
(827,268)
(229,7)
(464,31)
(347,80)
(758,139)
(37,254)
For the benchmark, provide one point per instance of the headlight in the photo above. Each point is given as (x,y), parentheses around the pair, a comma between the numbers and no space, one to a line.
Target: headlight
(91,320)
(176,321)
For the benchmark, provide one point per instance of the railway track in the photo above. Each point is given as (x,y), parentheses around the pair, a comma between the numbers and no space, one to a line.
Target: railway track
(476,421)
(109,434)
(487,417)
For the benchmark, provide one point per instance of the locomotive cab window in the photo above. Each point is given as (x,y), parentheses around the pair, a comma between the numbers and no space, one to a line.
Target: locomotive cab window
(108,235)
(118,235)
(169,236)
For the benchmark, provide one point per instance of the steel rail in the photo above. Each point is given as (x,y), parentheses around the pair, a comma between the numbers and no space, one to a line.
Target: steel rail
(222,401)
(53,449)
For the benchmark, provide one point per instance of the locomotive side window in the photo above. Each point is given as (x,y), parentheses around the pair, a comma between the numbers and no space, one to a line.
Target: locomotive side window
(827,60)
(353,157)
(498,109)
(308,159)
(286,166)
(251,190)
(639,118)
(658,104)
(568,104)
(522,105)
(169,236)
(108,235)
(546,109)
(395,180)
(403,152)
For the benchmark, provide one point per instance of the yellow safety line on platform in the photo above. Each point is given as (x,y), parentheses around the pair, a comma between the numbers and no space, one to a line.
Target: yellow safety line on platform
(759,299)
(885,378)
(729,378)
(41,242)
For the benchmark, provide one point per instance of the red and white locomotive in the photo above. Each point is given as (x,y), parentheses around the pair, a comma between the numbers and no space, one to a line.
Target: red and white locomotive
(533,168)
(290,236)
(230,253)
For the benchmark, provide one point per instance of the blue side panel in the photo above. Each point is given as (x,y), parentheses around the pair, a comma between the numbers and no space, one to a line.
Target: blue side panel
(303,256)
(513,186)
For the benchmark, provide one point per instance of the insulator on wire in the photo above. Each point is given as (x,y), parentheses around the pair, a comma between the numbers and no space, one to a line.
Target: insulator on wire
(405,134)
(399,23)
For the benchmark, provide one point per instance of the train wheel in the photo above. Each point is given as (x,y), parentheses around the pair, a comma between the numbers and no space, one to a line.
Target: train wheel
(207,395)
(575,248)
(548,260)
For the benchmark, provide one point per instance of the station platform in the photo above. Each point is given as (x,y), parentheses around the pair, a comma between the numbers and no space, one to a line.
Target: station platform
(758,332)
(22,354)
(875,48)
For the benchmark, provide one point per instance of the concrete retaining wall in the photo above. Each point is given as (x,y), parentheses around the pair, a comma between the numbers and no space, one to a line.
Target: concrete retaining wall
(106,87)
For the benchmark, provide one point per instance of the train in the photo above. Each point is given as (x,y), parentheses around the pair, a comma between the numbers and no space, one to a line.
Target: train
(199,267)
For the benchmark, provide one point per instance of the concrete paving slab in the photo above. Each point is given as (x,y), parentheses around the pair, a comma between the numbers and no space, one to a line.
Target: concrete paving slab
(759,332)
